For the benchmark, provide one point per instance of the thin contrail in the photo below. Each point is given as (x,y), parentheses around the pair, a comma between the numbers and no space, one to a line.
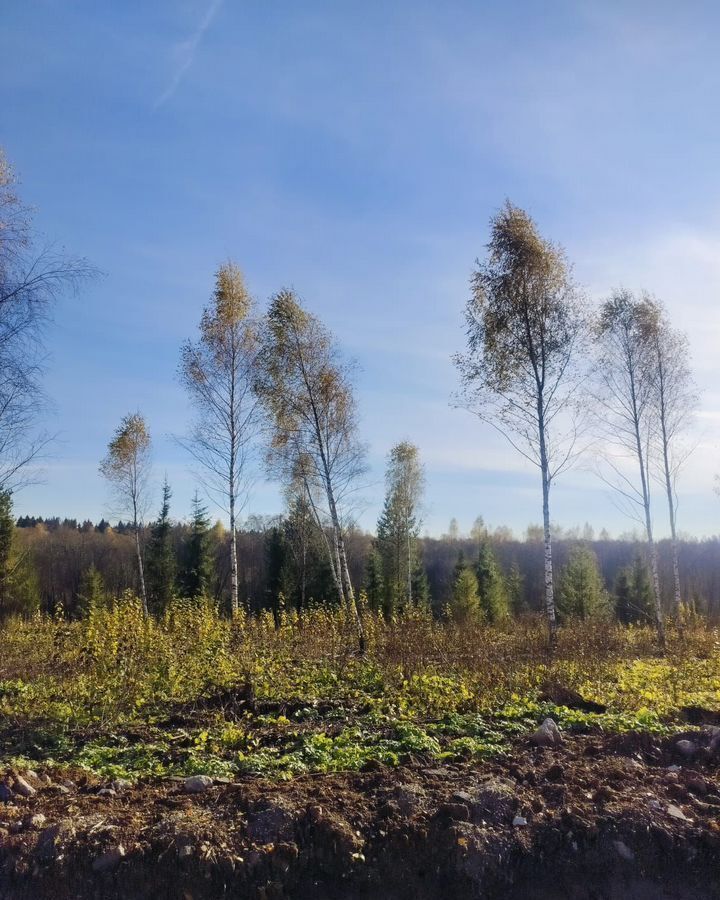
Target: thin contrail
(188,49)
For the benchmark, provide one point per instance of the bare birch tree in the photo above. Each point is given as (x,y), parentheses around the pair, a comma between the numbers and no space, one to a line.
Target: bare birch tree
(521,374)
(306,389)
(218,374)
(675,401)
(32,277)
(126,467)
(626,376)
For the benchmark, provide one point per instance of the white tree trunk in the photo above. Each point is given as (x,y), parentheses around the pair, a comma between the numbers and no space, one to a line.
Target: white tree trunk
(141,571)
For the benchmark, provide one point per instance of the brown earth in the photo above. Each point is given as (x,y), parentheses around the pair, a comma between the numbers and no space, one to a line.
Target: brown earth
(598,817)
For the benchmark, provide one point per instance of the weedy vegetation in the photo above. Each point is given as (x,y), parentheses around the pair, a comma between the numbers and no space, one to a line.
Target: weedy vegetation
(124,694)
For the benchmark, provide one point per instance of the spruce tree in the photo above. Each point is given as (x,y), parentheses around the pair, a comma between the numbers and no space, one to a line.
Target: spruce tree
(161,565)
(92,591)
(19,593)
(515,589)
(465,603)
(634,593)
(197,569)
(581,592)
(491,585)
(374,585)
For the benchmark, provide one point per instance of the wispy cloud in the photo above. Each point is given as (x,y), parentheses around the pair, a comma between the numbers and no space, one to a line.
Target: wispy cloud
(185,52)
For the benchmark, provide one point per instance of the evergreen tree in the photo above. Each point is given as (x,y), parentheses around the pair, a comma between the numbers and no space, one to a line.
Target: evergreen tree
(161,565)
(92,591)
(421,587)
(399,524)
(197,569)
(634,601)
(373,585)
(279,583)
(465,604)
(491,585)
(19,594)
(515,589)
(581,592)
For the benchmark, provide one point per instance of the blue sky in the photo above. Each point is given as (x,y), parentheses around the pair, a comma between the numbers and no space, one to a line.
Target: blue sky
(356,151)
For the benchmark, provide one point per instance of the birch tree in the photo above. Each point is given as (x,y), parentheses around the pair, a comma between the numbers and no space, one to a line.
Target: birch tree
(521,372)
(218,372)
(674,404)
(126,467)
(32,277)
(306,389)
(626,375)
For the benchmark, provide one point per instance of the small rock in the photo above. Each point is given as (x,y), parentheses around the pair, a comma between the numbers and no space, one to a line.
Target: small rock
(674,768)
(120,785)
(186,851)
(70,785)
(106,792)
(109,860)
(547,735)
(655,804)
(221,779)
(687,748)
(5,793)
(196,784)
(677,813)
(461,797)
(32,774)
(696,784)
(520,821)
(624,851)
(21,787)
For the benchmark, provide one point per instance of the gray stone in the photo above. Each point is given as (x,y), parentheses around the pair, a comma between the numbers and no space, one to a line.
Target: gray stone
(623,851)
(21,787)
(677,813)
(120,785)
(196,784)
(5,793)
(106,792)
(520,821)
(687,748)
(109,860)
(547,735)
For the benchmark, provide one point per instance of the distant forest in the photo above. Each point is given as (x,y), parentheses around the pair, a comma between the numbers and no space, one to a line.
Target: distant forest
(63,552)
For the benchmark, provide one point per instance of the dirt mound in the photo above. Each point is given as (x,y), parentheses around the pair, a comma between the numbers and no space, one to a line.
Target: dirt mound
(595,817)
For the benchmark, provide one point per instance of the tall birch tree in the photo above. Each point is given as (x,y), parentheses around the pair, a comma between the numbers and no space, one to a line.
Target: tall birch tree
(306,388)
(675,401)
(218,372)
(126,466)
(626,375)
(521,372)
(33,275)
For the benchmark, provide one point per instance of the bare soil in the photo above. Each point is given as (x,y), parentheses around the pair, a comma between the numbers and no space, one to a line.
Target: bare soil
(598,817)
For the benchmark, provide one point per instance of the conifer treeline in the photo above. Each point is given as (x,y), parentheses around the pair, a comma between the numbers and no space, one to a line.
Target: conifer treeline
(56,562)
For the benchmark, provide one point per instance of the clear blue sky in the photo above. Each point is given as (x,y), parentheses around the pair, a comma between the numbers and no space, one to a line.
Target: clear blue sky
(355,150)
